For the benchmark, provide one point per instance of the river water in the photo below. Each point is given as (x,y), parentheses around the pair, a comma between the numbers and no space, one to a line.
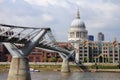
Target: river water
(70,76)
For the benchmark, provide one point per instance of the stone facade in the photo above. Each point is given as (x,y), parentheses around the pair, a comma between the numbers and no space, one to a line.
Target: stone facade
(77,30)
(103,52)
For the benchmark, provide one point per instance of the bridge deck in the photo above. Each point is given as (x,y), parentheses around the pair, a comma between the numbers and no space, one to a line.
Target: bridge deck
(12,40)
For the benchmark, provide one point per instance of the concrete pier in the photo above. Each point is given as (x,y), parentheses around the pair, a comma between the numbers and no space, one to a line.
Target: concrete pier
(19,69)
(65,66)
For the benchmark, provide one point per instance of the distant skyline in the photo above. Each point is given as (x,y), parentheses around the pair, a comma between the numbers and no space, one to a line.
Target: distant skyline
(98,15)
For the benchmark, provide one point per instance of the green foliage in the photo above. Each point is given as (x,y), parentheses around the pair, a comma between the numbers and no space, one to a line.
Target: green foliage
(104,67)
(53,59)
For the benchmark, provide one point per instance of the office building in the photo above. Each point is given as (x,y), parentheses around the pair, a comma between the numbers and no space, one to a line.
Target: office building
(90,37)
(100,36)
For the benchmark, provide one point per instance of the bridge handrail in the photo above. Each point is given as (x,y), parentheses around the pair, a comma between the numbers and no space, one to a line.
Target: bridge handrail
(13,26)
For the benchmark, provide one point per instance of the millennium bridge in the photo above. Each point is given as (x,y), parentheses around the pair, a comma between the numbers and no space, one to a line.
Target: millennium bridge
(29,37)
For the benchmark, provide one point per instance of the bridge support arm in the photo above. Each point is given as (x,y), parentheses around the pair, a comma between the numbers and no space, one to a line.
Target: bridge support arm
(14,51)
(19,69)
(35,41)
(77,58)
(65,66)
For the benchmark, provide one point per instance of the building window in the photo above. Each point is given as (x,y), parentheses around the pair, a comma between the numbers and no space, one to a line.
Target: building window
(116,55)
(71,34)
(84,35)
(80,47)
(80,54)
(80,51)
(85,51)
(111,55)
(37,59)
(80,58)
(116,58)
(85,47)
(30,58)
(78,34)
(85,54)
(116,51)
(110,52)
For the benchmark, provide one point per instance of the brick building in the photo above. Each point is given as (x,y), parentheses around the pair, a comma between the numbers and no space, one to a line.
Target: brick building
(37,55)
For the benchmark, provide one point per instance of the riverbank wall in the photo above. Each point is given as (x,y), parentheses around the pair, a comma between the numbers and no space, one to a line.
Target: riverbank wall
(90,67)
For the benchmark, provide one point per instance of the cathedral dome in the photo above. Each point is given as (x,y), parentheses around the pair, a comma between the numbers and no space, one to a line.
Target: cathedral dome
(77,23)
(77,29)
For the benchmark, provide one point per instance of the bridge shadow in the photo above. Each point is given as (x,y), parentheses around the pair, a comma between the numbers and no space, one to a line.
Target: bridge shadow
(65,76)
(83,67)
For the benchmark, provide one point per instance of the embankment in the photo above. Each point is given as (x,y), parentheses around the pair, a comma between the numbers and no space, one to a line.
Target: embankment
(57,67)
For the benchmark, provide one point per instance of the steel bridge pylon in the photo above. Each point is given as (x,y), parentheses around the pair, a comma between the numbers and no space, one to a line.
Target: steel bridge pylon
(65,55)
(19,68)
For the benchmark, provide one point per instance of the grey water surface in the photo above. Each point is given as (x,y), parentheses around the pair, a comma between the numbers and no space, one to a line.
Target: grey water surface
(70,76)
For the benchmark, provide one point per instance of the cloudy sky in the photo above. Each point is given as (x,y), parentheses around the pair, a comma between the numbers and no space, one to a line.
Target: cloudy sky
(98,15)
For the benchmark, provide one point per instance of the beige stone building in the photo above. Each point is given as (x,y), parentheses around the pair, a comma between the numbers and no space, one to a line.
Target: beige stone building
(91,51)
(103,52)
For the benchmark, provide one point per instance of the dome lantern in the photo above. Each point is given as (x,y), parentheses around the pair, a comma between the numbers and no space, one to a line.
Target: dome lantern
(78,14)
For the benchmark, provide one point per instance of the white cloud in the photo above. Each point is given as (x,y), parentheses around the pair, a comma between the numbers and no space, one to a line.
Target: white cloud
(104,15)
(47,17)
(104,12)
(46,3)
(1,1)
(97,14)
(41,2)
(13,1)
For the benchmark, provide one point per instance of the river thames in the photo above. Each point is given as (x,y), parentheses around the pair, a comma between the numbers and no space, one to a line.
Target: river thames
(70,76)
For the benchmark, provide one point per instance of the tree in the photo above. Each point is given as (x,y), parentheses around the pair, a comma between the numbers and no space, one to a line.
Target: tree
(53,59)
(87,59)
